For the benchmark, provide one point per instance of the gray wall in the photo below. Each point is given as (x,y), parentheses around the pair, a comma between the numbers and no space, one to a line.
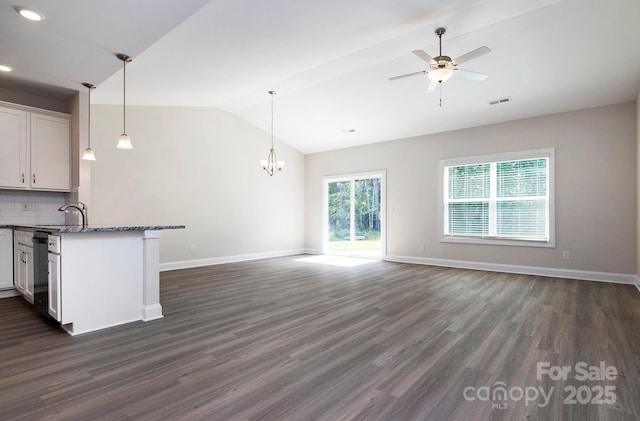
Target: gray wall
(198,167)
(595,188)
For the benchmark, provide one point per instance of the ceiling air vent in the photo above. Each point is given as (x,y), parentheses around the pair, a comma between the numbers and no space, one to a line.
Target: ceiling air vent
(500,100)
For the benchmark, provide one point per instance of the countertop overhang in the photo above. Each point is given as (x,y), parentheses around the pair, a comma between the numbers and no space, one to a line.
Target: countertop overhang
(63,229)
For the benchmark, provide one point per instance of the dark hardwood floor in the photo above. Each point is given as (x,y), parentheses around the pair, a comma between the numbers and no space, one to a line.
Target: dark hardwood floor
(283,339)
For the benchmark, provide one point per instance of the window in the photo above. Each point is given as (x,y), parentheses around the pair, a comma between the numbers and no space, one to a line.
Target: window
(499,199)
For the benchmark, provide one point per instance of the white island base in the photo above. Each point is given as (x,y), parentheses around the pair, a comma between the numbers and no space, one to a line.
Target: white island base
(108,279)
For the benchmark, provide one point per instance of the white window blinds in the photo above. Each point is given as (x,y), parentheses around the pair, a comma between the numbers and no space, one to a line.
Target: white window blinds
(498,199)
(468,199)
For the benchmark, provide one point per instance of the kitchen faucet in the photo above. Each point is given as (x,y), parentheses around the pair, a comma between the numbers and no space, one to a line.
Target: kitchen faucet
(80,207)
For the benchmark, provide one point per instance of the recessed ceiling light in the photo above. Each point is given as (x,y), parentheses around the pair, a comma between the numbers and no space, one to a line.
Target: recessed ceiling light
(4,68)
(30,14)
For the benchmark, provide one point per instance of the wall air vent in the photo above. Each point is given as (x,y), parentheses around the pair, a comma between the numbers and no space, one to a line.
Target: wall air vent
(500,100)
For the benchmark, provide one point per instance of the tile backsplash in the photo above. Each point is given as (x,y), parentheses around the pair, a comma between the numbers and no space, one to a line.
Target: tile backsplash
(29,207)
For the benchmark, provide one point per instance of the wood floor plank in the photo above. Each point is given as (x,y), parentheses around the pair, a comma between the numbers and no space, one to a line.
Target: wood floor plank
(285,339)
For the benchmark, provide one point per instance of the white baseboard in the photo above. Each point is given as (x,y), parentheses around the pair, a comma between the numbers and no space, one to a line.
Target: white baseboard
(186,264)
(151,312)
(619,278)
(6,293)
(584,275)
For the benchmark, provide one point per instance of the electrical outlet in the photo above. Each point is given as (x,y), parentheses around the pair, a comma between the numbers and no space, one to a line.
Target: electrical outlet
(565,255)
(25,206)
(421,246)
(192,248)
(35,207)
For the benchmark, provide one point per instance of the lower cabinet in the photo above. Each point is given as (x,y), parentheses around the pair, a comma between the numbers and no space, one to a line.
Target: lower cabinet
(23,264)
(24,267)
(18,281)
(54,285)
(6,258)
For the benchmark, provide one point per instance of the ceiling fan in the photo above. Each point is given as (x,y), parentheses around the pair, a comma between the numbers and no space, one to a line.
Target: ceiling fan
(441,68)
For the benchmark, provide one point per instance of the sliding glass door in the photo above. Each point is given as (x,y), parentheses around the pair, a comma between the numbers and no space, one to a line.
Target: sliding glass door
(354,217)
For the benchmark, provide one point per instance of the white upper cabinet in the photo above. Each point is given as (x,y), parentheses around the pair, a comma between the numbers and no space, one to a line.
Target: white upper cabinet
(13,148)
(49,152)
(34,149)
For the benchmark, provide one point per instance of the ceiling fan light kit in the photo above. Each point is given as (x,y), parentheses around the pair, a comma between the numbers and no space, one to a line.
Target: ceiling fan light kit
(442,68)
(440,75)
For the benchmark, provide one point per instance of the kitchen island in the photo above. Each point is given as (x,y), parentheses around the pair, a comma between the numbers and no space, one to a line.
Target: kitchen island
(101,276)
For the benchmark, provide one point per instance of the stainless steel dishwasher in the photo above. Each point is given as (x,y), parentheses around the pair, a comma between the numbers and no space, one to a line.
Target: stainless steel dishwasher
(41,271)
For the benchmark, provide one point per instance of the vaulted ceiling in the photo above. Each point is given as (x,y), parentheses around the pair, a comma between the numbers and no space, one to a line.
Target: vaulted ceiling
(329,61)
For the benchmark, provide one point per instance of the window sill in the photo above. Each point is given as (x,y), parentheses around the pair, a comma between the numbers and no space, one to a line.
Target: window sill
(498,242)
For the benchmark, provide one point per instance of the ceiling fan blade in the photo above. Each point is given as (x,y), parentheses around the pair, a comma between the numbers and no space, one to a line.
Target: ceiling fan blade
(472,54)
(471,75)
(432,86)
(424,56)
(408,75)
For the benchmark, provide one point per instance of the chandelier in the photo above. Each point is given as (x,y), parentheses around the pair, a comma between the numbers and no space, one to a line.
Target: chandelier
(271,164)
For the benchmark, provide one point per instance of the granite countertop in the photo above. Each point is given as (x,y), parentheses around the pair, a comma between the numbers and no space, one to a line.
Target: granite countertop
(92,228)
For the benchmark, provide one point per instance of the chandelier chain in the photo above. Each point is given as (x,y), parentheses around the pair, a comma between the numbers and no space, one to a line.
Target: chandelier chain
(272,93)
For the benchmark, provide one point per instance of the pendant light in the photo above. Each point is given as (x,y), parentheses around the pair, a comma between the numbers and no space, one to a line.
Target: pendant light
(124,142)
(271,164)
(88,153)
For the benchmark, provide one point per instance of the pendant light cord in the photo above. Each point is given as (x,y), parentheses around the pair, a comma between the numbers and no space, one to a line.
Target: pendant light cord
(89,87)
(89,122)
(124,96)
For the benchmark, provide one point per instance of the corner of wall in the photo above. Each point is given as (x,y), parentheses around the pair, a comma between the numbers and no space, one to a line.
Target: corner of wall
(638,186)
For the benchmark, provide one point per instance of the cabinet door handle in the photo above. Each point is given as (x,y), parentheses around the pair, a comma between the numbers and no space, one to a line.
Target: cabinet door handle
(34,179)
(22,178)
